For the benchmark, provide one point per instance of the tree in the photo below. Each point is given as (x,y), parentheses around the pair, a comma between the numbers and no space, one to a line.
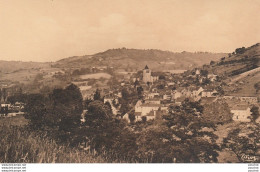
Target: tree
(140,92)
(115,104)
(206,81)
(217,112)
(16,98)
(97,95)
(109,107)
(144,119)
(98,110)
(204,73)
(257,87)
(60,111)
(125,107)
(219,89)
(162,77)
(36,110)
(240,50)
(161,86)
(20,91)
(190,143)
(212,62)
(131,116)
(245,144)
(125,94)
(38,77)
(154,145)
(98,125)
(67,107)
(255,113)
(136,83)
(103,132)
(86,102)
(4,94)
(1,95)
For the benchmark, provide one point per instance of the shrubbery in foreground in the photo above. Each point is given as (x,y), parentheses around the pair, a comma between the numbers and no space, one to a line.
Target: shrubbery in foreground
(19,145)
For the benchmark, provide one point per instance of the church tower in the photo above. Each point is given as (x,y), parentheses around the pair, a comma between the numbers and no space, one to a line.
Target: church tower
(147,74)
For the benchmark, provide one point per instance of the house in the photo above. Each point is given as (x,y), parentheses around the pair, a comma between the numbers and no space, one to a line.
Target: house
(176,94)
(241,113)
(247,99)
(152,95)
(12,114)
(196,93)
(153,101)
(126,117)
(138,116)
(171,84)
(212,77)
(167,97)
(258,120)
(197,72)
(209,93)
(179,100)
(83,116)
(6,105)
(148,110)
(252,100)
(151,115)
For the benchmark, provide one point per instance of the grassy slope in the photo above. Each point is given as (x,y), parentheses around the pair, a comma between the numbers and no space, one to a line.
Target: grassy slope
(19,145)
(240,84)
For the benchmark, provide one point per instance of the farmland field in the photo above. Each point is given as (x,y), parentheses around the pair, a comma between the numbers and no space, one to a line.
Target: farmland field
(95,76)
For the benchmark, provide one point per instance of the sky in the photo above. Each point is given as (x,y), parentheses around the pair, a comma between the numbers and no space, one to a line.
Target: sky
(49,30)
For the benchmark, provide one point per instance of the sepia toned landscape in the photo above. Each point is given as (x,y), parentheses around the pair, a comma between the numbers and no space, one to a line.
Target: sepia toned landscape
(130,105)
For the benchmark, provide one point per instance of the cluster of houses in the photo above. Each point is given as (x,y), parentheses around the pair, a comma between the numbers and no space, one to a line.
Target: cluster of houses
(157,100)
(158,93)
(9,110)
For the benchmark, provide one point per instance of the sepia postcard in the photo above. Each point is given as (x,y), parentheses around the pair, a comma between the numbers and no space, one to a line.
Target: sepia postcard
(129,81)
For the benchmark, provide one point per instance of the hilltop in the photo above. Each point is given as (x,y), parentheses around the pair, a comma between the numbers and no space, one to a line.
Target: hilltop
(136,59)
(13,66)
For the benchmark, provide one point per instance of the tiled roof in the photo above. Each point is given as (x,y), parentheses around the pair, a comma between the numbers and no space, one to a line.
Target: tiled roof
(207,99)
(151,105)
(138,113)
(180,99)
(154,99)
(240,107)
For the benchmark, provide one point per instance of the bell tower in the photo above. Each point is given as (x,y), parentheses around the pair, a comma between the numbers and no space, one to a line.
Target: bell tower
(147,73)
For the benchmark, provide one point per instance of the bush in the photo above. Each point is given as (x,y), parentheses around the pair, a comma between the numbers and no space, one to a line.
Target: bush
(240,50)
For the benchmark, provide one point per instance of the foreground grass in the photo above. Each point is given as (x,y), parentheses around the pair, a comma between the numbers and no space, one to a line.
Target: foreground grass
(18,145)
(18,120)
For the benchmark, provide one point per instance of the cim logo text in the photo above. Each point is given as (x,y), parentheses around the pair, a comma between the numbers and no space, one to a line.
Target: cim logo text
(249,158)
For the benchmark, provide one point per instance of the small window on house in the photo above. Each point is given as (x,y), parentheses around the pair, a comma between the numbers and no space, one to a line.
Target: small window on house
(237,117)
